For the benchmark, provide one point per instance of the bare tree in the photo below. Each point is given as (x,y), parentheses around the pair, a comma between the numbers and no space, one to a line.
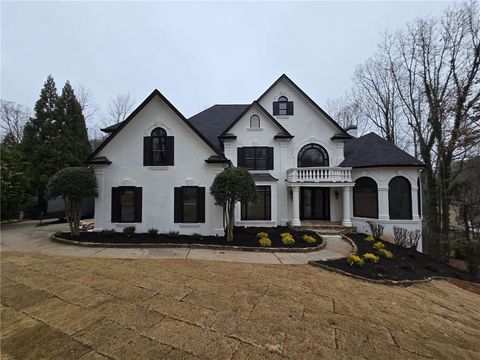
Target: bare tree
(120,107)
(87,102)
(13,119)
(346,111)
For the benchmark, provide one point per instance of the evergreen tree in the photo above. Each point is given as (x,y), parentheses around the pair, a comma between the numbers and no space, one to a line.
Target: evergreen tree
(73,136)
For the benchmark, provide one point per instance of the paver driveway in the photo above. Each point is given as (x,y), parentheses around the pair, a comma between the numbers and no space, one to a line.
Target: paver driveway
(93,308)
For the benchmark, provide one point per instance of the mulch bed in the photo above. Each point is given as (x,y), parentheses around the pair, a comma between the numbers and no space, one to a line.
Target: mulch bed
(407,264)
(242,237)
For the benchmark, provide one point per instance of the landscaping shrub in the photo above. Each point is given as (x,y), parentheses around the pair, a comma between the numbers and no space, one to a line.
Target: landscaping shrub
(173,234)
(376,230)
(197,236)
(287,239)
(369,238)
(354,259)
(400,236)
(370,257)
(265,242)
(129,230)
(152,231)
(385,253)
(262,235)
(379,245)
(414,238)
(309,239)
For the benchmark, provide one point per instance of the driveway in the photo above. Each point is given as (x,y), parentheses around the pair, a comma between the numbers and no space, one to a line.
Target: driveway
(59,307)
(26,237)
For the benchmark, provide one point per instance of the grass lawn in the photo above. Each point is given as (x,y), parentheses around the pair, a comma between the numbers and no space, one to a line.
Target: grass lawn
(93,308)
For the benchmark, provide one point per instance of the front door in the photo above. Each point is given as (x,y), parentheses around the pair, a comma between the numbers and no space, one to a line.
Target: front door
(314,203)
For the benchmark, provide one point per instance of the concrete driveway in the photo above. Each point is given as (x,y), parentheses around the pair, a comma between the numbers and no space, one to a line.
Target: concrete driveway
(26,237)
(57,307)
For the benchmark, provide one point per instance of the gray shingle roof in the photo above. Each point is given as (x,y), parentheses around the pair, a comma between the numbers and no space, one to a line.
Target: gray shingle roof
(371,150)
(213,121)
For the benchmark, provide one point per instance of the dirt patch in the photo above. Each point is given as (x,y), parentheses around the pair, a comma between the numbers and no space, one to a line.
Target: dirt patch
(406,264)
(242,237)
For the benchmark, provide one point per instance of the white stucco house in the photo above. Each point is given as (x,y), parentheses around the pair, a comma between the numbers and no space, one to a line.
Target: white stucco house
(155,169)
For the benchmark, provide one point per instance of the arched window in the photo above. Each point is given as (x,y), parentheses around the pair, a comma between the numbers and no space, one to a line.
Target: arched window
(312,155)
(282,99)
(283,106)
(365,198)
(159,146)
(254,122)
(400,198)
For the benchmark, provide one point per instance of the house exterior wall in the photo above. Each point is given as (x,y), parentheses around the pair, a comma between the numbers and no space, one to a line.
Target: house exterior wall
(158,182)
(382,177)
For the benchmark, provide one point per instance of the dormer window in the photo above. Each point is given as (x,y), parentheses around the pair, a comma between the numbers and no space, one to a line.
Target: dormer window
(254,122)
(158,148)
(283,107)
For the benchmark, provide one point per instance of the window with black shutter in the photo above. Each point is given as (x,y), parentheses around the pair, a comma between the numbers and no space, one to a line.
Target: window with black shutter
(283,106)
(255,157)
(260,209)
(189,204)
(158,148)
(127,204)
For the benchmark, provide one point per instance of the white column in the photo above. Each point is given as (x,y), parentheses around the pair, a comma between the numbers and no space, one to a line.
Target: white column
(415,215)
(383,212)
(346,207)
(296,206)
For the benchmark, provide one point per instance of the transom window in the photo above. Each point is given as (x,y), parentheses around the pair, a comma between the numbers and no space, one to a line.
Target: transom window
(158,148)
(312,155)
(254,122)
(255,157)
(399,198)
(189,204)
(365,198)
(260,209)
(283,106)
(126,204)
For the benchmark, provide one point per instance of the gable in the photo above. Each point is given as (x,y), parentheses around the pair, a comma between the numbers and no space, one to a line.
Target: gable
(154,95)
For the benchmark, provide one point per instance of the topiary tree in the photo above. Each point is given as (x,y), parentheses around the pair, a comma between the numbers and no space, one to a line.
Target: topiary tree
(232,185)
(73,184)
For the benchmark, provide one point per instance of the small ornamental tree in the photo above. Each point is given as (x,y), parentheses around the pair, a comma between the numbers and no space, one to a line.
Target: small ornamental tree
(232,185)
(73,184)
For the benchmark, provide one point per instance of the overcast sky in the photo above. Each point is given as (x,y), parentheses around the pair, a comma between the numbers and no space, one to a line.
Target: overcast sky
(196,54)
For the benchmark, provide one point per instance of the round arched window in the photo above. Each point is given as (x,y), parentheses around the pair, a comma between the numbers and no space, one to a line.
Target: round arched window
(312,155)
(158,132)
(365,198)
(254,121)
(399,198)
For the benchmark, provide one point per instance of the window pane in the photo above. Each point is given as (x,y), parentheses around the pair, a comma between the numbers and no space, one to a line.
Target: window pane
(189,204)
(159,153)
(400,198)
(127,206)
(254,121)
(261,209)
(312,155)
(365,198)
(282,106)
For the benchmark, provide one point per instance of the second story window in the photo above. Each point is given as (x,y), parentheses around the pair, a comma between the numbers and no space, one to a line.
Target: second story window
(255,157)
(283,106)
(158,148)
(254,122)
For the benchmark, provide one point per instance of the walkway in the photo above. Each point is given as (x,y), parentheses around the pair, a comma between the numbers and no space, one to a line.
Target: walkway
(25,237)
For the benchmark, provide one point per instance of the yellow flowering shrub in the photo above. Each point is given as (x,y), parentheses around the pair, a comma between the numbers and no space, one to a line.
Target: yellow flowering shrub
(262,235)
(379,245)
(285,235)
(265,242)
(288,240)
(369,238)
(354,259)
(370,257)
(385,253)
(309,239)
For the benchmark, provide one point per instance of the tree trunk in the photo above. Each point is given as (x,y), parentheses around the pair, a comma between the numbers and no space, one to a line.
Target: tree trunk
(231,221)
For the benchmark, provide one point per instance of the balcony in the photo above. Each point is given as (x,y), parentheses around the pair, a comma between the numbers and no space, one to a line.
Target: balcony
(322,174)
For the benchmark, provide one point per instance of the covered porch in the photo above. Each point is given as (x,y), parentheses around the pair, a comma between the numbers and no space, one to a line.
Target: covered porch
(310,190)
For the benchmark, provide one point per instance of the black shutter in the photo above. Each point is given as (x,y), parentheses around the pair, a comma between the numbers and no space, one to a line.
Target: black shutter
(147,151)
(115,204)
(275,108)
(290,108)
(201,205)
(240,157)
(138,204)
(178,205)
(170,150)
(269,158)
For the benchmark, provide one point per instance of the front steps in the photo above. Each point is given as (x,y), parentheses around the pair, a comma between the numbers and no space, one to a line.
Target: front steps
(326,227)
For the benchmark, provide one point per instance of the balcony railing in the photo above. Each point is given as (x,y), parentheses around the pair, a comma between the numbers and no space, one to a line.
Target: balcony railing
(319,174)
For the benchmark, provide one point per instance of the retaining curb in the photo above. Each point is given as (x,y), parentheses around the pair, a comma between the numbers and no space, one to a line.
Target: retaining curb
(60,240)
